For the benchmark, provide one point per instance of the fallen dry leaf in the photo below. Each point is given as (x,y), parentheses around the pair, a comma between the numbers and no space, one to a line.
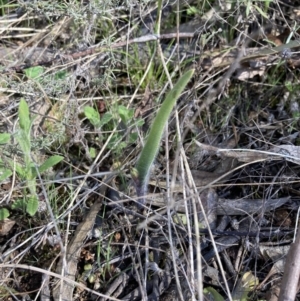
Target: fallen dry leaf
(5,226)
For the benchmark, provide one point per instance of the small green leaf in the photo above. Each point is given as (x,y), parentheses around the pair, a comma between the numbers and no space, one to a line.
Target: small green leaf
(289,86)
(92,115)
(106,118)
(24,117)
(140,122)
(50,162)
(31,173)
(192,10)
(21,171)
(19,204)
(60,75)
(212,294)
(245,285)
(180,218)
(31,185)
(121,146)
(4,213)
(4,138)
(4,174)
(91,278)
(92,152)
(133,137)
(24,142)
(88,267)
(114,141)
(125,114)
(34,72)
(32,206)
(261,12)
(134,174)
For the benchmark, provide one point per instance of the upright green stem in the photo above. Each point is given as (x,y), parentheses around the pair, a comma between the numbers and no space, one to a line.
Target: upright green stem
(151,147)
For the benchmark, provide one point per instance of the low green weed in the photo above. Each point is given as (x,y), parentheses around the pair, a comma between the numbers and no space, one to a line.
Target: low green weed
(109,120)
(53,83)
(28,170)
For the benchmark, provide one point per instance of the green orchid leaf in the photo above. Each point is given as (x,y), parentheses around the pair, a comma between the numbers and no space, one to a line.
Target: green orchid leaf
(153,142)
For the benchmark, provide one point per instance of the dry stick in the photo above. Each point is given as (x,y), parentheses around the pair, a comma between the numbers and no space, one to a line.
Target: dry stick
(291,273)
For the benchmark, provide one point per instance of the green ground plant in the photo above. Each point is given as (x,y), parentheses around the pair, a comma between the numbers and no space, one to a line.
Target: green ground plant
(141,172)
(109,120)
(28,170)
